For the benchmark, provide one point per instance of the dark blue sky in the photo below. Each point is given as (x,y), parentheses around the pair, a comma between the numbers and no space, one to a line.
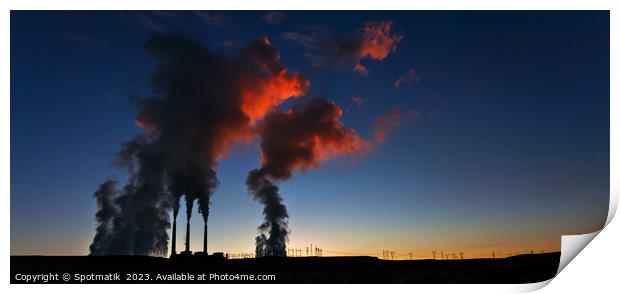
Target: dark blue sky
(511,148)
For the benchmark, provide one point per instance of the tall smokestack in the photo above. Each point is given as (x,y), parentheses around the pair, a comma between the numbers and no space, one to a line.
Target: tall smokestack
(187,237)
(204,248)
(189,204)
(174,236)
(175,189)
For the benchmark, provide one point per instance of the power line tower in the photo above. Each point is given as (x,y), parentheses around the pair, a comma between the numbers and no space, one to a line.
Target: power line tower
(410,255)
(461,253)
(434,254)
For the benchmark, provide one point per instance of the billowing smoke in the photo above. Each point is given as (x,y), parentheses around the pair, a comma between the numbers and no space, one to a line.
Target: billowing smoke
(294,140)
(105,196)
(273,232)
(208,103)
(142,220)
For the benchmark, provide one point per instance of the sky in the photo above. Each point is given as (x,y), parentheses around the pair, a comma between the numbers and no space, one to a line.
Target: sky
(507,147)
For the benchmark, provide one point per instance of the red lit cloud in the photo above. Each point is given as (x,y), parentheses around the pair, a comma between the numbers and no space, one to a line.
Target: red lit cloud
(378,41)
(213,101)
(259,98)
(272,86)
(304,136)
(390,121)
(145,125)
(375,41)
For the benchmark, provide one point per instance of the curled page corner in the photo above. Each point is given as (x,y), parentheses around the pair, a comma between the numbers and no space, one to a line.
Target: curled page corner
(613,204)
(573,244)
(531,287)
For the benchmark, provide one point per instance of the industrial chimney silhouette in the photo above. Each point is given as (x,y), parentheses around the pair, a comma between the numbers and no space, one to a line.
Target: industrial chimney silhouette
(174,236)
(204,245)
(187,237)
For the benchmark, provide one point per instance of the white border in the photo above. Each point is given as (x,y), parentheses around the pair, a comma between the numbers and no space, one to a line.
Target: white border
(601,260)
(314,5)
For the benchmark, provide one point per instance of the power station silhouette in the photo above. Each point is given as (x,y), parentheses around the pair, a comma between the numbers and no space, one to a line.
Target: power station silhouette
(187,251)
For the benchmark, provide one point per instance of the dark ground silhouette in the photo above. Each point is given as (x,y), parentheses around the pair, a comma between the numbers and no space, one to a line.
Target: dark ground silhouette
(527,268)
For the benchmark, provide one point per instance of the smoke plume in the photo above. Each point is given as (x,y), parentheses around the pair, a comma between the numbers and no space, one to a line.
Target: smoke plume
(105,195)
(208,102)
(294,140)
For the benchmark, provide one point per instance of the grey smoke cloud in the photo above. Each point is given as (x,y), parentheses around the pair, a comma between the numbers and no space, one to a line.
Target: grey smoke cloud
(206,104)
